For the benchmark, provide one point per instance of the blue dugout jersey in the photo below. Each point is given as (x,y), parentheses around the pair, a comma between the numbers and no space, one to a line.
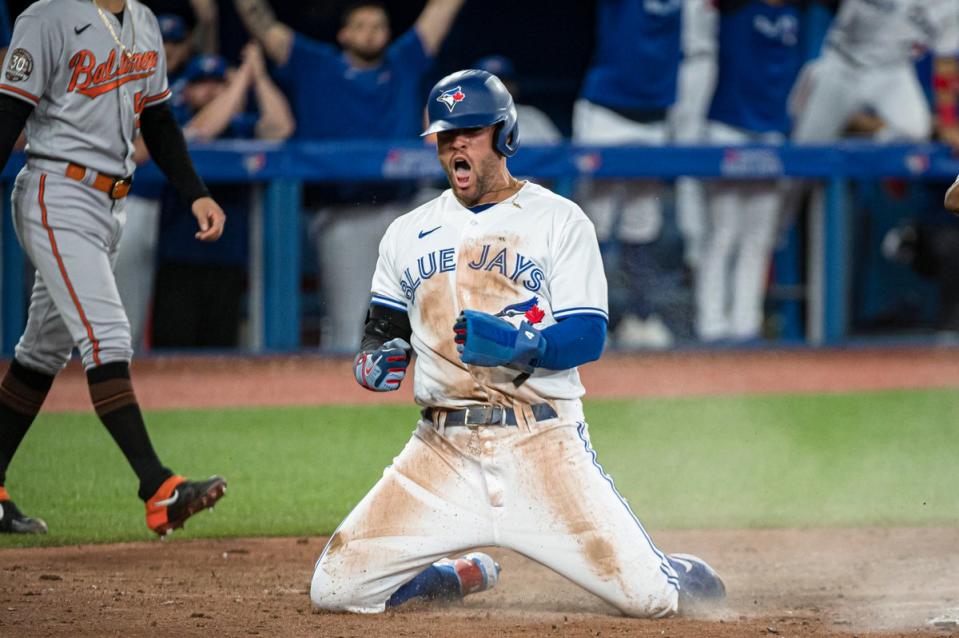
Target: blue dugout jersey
(636,63)
(332,100)
(759,59)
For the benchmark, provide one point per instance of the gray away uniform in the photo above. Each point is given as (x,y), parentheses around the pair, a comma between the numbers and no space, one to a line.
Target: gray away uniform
(88,96)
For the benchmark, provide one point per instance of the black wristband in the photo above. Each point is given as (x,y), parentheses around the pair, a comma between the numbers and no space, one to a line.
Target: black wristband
(384,324)
(164,140)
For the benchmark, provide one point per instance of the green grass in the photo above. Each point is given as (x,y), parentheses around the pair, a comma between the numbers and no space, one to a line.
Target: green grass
(859,459)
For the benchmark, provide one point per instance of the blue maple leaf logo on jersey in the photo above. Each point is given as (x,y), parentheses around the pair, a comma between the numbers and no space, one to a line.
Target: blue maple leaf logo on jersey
(452,97)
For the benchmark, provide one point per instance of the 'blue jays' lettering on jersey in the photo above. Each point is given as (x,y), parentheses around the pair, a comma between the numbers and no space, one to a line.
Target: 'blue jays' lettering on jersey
(637,54)
(759,59)
(515,267)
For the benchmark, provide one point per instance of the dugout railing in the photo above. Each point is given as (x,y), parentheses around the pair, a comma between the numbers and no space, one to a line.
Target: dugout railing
(282,171)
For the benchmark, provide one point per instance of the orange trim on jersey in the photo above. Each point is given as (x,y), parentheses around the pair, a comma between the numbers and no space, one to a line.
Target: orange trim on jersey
(30,96)
(100,89)
(154,98)
(63,272)
(3,494)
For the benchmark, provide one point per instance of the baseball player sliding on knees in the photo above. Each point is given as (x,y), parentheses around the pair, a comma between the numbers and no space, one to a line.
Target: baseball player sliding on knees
(498,287)
(85,76)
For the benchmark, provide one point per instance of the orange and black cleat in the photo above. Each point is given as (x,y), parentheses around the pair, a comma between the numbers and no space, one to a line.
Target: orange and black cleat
(13,521)
(178,499)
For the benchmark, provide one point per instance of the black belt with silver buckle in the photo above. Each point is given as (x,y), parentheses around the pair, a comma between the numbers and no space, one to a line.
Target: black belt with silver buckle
(487,415)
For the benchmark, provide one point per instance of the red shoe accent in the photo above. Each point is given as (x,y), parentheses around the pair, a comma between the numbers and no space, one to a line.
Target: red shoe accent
(470,575)
(3,494)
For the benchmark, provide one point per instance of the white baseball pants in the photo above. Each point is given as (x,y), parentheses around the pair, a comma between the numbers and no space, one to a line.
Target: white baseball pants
(731,278)
(830,90)
(536,489)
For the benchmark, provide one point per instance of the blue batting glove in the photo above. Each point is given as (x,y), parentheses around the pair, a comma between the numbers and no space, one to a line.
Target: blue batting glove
(383,369)
(485,340)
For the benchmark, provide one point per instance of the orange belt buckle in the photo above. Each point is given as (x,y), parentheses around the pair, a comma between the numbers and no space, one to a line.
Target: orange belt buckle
(120,188)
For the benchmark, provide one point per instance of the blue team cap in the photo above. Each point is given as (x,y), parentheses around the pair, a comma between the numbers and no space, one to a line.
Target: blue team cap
(172,27)
(499,65)
(205,67)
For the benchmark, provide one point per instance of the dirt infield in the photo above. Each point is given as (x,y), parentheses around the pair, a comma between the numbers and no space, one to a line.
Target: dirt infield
(781,582)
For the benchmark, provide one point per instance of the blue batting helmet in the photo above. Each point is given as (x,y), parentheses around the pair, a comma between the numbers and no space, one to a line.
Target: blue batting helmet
(474,99)
(172,27)
(207,66)
(499,65)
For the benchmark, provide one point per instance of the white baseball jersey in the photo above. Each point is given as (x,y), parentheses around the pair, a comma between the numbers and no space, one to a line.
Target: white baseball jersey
(887,32)
(533,256)
(88,95)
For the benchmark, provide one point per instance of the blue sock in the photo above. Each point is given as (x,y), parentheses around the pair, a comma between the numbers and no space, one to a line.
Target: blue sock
(431,583)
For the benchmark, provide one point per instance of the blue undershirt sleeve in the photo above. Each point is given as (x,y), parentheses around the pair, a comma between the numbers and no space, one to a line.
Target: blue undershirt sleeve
(573,341)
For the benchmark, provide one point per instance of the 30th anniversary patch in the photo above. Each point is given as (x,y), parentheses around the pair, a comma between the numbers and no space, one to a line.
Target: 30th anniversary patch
(20,65)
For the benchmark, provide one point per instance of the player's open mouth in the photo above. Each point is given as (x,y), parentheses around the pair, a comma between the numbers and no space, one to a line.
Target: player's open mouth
(462,172)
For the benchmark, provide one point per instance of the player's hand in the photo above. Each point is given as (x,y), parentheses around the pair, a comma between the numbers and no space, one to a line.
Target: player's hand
(209,217)
(252,55)
(488,341)
(383,369)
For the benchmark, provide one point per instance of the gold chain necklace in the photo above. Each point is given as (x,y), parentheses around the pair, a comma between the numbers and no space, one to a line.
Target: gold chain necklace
(123,48)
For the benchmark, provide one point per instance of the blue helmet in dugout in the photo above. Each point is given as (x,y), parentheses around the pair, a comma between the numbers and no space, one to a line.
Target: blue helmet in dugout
(474,99)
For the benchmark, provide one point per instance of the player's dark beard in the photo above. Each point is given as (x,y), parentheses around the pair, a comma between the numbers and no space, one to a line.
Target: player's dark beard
(485,174)
(483,187)
(368,57)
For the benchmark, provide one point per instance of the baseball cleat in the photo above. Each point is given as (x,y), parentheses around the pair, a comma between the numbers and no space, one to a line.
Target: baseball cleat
(178,499)
(475,572)
(13,521)
(697,580)
(449,579)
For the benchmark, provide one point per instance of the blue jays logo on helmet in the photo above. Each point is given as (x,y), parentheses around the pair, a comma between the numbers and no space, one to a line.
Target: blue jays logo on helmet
(451,97)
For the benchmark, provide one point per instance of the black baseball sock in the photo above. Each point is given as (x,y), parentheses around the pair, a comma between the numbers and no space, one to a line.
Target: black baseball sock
(22,392)
(112,393)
